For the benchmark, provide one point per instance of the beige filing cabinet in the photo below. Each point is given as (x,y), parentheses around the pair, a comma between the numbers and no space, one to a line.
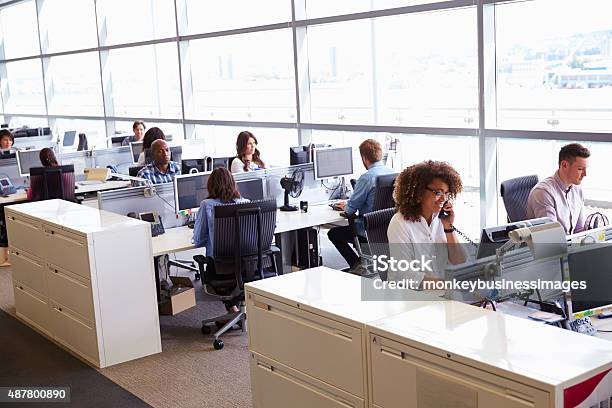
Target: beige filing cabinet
(453,354)
(85,278)
(307,338)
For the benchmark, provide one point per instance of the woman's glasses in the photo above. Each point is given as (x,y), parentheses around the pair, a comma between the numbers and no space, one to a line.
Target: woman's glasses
(440,193)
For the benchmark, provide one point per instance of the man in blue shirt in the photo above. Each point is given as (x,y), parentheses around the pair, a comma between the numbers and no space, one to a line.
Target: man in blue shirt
(162,170)
(361,201)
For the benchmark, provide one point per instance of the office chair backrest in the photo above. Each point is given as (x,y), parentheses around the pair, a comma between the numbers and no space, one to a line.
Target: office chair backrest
(376,224)
(133,171)
(515,192)
(383,191)
(242,232)
(52,182)
(82,142)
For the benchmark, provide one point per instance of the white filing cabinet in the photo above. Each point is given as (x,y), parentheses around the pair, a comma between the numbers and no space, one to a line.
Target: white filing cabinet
(85,278)
(307,338)
(454,354)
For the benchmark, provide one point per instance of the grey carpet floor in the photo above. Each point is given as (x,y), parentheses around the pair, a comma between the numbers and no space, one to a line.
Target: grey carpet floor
(189,372)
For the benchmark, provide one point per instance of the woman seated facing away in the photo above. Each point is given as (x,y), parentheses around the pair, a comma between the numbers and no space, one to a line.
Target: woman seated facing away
(416,231)
(247,155)
(47,159)
(221,190)
(150,136)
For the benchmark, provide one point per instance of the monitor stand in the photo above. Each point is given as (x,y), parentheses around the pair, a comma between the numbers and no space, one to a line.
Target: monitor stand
(340,193)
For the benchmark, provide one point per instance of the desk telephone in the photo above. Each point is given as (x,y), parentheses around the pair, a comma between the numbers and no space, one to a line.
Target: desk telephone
(157,227)
(445,214)
(6,187)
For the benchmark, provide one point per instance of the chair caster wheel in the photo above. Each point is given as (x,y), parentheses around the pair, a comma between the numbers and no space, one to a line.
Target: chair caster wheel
(206,329)
(218,344)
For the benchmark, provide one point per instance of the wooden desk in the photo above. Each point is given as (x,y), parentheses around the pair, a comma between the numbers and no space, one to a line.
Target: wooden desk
(20,195)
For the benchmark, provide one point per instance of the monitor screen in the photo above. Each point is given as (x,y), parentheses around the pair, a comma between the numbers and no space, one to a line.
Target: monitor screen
(593,265)
(494,237)
(190,190)
(333,162)
(188,166)
(251,189)
(5,182)
(299,155)
(27,159)
(69,138)
(135,148)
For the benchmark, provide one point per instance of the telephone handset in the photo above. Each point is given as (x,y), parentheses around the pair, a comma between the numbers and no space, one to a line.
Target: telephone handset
(445,214)
(157,227)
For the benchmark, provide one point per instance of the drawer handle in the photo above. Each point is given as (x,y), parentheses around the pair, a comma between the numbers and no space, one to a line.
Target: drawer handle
(20,287)
(59,308)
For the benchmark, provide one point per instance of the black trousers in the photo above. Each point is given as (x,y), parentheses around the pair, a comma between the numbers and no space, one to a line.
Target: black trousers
(343,238)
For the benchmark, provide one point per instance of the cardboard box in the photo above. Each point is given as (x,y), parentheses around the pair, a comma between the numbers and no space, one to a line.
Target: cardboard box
(181,296)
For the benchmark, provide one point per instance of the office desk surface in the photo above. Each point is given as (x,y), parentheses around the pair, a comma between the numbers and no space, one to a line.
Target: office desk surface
(86,188)
(509,344)
(179,238)
(20,195)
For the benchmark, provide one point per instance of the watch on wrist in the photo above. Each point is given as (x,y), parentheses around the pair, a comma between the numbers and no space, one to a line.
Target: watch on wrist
(449,230)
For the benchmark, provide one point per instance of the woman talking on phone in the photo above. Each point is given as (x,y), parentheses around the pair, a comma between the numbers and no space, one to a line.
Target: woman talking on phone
(422,228)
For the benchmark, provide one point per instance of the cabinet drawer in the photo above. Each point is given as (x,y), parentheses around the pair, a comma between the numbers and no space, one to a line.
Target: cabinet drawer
(274,385)
(428,380)
(71,291)
(28,270)
(31,307)
(25,233)
(67,250)
(74,333)
(320,347)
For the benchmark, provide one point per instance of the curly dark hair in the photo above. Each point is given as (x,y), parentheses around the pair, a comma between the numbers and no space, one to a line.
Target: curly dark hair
(412,183)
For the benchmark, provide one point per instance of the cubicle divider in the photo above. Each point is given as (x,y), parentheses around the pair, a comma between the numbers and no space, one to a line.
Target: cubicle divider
(120,157)
(139,199)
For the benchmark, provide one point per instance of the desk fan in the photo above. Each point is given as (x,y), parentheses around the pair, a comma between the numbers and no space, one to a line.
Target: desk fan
(292,186)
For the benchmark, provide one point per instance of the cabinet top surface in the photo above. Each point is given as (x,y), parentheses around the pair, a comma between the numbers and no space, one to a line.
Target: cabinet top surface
(539,351)
(74,216)
(334,292)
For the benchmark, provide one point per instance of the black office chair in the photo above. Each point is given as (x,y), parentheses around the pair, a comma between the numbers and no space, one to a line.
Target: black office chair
(133,171)
(515,192)
(52,182)
(383,198)
(83,145)
(242,253)
(376,224)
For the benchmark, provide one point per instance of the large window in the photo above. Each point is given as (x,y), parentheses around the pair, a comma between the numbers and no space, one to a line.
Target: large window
(22,87)
(19,30)
(246,77)
(67,25)
(73,85)
(554,76)
(152,90)
(135,20)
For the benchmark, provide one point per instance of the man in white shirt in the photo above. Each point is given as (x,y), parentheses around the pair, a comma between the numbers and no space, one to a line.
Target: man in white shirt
(560,197)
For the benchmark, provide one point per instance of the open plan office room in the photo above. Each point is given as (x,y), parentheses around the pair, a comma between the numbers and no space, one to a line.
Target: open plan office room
(307,203)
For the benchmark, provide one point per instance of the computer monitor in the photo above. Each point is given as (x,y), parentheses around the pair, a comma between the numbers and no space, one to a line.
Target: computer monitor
(190,190)
(189,165)
(333,162)
(27,159)
(117,141)
(7,154)
(135,148)
(252,189)
(494,237)
(593,265)
(69,138)
(299,155)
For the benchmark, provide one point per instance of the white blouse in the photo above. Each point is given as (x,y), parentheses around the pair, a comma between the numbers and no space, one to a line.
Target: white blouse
(238,166)
(410,240)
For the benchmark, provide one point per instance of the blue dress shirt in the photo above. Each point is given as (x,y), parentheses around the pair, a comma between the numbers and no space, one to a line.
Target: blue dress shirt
(204,229)
(362,199)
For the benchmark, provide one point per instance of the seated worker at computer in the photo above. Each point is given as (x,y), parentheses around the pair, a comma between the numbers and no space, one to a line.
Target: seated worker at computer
(247,154)
(6,139)
(139,130)
(361,201)
(150,136)
(560,197)
(221,190)
(162,170)
(47,159)
(417,230)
